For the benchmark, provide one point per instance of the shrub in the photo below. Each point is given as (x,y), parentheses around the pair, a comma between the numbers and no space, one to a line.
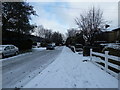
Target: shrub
(23,44)
(43,44)
(86,50)
(112,51)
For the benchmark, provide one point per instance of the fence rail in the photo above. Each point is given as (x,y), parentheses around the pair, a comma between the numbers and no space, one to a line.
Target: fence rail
(97,60)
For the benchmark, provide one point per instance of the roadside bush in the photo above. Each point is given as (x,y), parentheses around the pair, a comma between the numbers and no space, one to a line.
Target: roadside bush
(86,50)
(23,44)
(28,44)
(43,44)
(35,44)
(112,51)
(22,41)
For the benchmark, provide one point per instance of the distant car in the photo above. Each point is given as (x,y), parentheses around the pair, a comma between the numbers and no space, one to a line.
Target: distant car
(8,50)
(50,47)
(78,47)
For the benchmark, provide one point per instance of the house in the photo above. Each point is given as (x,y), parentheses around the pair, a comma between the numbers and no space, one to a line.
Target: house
(117,34)
(109,36)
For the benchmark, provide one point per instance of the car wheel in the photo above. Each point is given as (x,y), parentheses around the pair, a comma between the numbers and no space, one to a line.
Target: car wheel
(16,53)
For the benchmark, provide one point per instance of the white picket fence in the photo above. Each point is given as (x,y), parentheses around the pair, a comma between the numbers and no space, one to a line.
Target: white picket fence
(95,59)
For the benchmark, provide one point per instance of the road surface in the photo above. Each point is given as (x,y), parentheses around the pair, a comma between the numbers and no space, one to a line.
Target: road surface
(18,71)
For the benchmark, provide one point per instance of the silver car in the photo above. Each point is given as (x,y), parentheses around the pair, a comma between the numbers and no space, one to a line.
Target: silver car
(7,50)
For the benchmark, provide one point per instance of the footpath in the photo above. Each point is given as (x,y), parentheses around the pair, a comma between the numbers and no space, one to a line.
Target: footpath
(71,70)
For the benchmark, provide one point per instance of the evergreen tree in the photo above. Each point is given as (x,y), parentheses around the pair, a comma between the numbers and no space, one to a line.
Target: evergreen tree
(16,16)
(57,38)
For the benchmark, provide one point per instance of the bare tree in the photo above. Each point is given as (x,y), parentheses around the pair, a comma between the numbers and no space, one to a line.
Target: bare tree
(72,32)
(40,31)
(48,33)
(57,38)
(90,23)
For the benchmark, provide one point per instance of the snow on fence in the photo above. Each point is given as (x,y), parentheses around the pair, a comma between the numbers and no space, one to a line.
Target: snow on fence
(97,60)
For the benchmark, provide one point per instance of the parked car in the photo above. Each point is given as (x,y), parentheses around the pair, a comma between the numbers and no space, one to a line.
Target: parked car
(78,47)
(8,50)
(50,47)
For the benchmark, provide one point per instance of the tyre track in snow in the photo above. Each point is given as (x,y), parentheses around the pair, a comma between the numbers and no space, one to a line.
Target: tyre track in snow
(22,69)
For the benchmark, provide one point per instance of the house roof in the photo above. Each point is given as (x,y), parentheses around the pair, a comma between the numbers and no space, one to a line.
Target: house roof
(117,29)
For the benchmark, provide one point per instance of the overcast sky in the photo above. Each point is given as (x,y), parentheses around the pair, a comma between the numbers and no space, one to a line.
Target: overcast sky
(59,16)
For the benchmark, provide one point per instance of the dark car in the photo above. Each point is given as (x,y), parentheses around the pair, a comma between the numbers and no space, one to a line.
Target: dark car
(50,47)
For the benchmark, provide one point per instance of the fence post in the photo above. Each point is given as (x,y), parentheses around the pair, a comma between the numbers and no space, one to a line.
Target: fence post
(91,54)
(106,60)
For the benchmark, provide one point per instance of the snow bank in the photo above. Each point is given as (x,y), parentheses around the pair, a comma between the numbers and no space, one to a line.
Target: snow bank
(112,45)
(71,70)
(13,57)
(24,54)
(38,49)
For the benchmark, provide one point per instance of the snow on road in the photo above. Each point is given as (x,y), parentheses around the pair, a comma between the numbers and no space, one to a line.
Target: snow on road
(20,70)
(69,71)
(24,54)
(38,49)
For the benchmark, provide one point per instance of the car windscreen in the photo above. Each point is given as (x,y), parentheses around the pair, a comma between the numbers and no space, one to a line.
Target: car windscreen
(1,48)
(49,45)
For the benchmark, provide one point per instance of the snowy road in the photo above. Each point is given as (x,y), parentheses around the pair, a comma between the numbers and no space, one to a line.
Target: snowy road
(18,71)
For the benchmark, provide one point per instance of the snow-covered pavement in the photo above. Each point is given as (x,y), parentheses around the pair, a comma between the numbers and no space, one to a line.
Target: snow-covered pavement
(69,71)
